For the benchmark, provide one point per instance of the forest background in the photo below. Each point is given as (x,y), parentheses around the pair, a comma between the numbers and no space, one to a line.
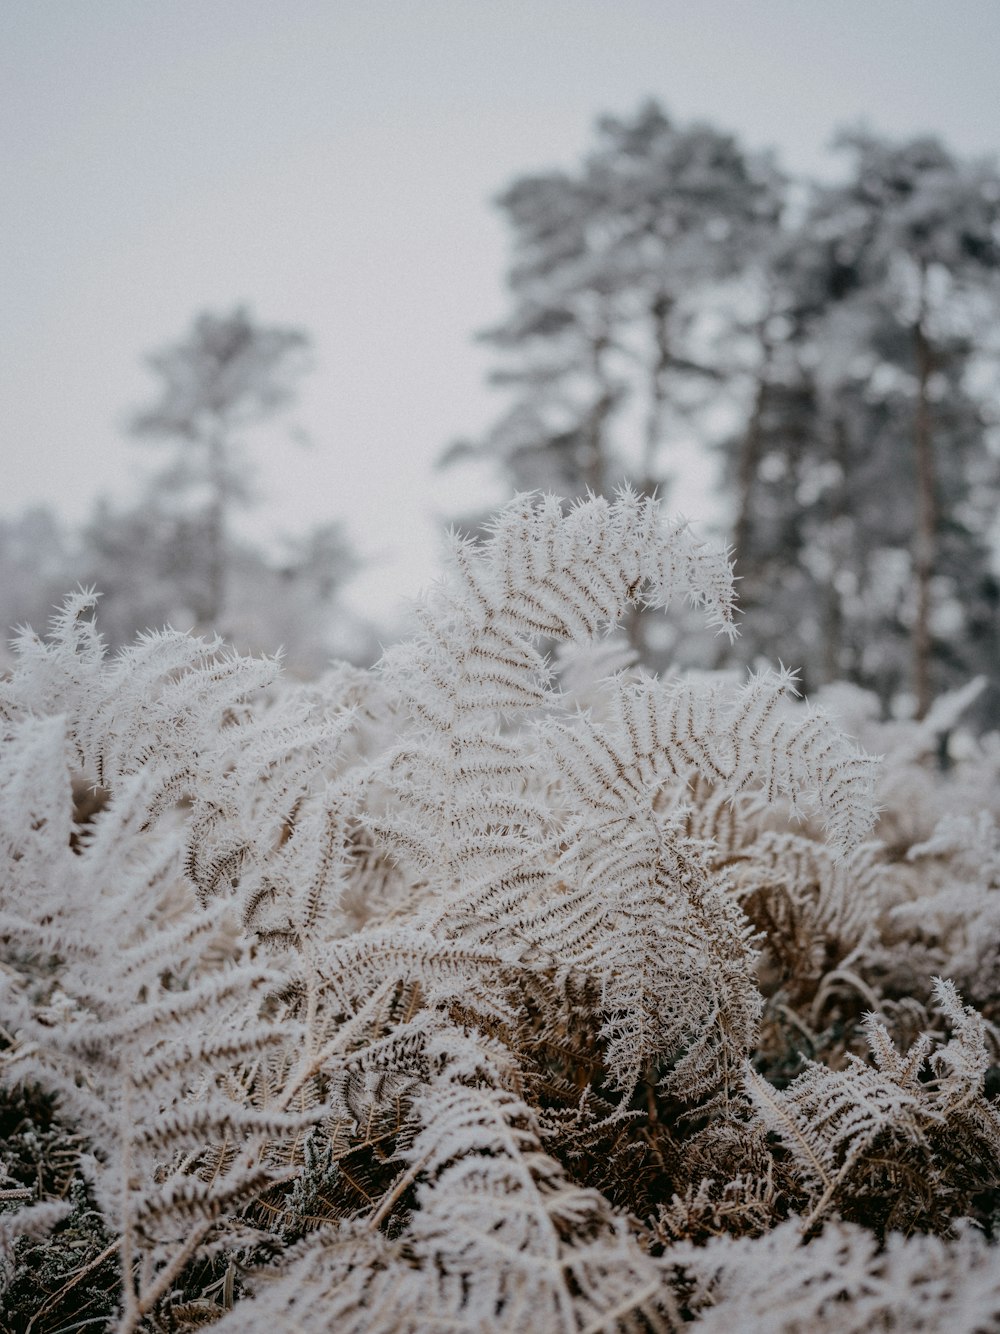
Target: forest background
(804,359)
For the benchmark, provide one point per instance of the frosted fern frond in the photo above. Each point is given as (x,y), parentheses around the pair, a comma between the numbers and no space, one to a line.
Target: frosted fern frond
(843,1282)
(962,1063)
(948,894)
(31,1220)
(150,703)
(139,1029)
(447,972)
(812,910)
(269,802)
(883,1138)
(47,676)
(668,946)
(745,737)
(549,842)
(295,893)
(37,806)
(349,1277)
(502,1235)
(659,925)
(829,1120)
(541,573)
(576,574)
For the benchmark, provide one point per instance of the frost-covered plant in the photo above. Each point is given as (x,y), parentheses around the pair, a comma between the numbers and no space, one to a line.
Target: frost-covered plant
(844,1282)
(905,1142)
(126,1007)
(423,997)
(500,1235)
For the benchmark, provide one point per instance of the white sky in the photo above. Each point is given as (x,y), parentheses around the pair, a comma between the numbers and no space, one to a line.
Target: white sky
(331,163)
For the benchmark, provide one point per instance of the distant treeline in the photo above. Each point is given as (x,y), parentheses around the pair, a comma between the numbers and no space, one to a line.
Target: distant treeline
(837,344)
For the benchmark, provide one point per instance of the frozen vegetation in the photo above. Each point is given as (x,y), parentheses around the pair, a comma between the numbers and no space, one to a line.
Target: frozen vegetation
(502,986)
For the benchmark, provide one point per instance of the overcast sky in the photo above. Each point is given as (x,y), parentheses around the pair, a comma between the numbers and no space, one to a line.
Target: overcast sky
(331,163)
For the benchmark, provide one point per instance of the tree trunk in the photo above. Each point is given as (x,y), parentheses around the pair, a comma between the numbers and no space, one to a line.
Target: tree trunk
(648,482)
(215,573)
(659,314)
(833,619)
(595,467)
(747,465)
(751,450)
(925,535)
